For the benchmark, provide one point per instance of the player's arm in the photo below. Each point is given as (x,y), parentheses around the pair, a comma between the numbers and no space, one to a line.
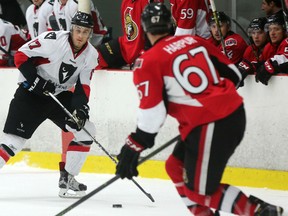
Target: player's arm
(28,57)
(151,116)
(277,64)
(187,13)
(226,69)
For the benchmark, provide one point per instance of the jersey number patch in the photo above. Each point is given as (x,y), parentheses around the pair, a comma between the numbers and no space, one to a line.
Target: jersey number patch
(190,76)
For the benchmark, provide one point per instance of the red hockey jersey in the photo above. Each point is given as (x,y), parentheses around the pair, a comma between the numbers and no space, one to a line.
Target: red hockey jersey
(197,80)
(191,17)
(132,42)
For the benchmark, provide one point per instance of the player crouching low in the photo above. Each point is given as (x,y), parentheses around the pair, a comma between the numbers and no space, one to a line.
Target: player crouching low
(55,62)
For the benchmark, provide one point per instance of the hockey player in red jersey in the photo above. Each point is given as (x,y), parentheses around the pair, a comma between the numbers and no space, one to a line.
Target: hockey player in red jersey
(235,45)
(191,17)
(253,54)
(11,38)
(126,48)
(194,83)
(54,62)
(275,53)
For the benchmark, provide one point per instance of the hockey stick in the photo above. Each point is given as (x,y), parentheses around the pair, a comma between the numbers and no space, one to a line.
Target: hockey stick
(116,177)
(214,11)
(285,13)
(6,52)
(88,133)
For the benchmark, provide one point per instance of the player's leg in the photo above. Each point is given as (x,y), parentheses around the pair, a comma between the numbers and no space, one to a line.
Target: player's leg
(208,149)
(77,150)
(174,168)
(26,113)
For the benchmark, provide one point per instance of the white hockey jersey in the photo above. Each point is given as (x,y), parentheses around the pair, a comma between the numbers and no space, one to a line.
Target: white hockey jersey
(53,56)
(32,13)
(46,18)
(11,38)
(64,14)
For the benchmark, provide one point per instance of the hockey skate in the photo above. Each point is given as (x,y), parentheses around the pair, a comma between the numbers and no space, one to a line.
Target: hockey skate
(69,187)
(265,209)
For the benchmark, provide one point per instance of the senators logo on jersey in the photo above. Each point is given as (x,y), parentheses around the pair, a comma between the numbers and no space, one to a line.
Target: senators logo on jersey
(65,72)
(230,42)
(131,29)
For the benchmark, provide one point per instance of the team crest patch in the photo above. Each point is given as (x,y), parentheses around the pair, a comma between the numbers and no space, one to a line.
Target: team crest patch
(50,35)
(131,29)
(230,42)
(65,72)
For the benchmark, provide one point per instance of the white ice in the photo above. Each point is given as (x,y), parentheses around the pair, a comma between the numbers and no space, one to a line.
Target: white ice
(26,191)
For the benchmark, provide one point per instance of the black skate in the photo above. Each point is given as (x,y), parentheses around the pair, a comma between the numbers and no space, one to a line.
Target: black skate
(265,209)
(69,187)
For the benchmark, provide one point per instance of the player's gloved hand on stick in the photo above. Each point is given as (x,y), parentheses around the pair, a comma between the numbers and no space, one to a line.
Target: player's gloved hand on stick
(40,86)
(128,159)
(81,115)
(265,71)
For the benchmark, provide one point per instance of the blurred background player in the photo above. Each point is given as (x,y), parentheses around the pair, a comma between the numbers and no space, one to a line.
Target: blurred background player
(54,62)
(195,84)
(32,14)
(271,7)
(191,17)
(11,39)
(64,10)
(125,49)
(275,52)
(253,53)
(235,45)
(46,18)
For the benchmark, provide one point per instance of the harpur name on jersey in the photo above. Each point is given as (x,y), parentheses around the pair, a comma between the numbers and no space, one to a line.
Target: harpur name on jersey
(180,44)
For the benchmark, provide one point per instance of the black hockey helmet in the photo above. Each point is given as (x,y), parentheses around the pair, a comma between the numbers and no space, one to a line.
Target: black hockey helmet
(156,19)
(221,16)
(256,24)
(275,19)
(82,19)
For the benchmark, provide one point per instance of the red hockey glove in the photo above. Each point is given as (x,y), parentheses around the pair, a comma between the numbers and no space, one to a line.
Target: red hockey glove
(128,159)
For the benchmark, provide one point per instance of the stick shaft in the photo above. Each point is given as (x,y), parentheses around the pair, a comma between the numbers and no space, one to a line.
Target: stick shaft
(102,148)
(214,12)
(116,177)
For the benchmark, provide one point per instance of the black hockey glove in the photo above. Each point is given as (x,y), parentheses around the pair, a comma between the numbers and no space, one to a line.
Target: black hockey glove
(40,86)
(265,71)
(81,115)
(128,159)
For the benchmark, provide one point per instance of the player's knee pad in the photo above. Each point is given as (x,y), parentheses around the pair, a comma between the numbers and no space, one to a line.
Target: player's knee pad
(111,53)
(12,144)
(82,136)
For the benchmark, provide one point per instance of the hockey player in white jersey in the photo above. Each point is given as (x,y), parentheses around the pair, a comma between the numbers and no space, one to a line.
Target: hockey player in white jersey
(40,17)
(11,38)
(54,62)
(64,11)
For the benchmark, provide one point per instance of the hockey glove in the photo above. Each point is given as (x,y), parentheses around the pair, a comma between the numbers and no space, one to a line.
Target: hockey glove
(128,159)
(40,86)
(265,71)
(80,115)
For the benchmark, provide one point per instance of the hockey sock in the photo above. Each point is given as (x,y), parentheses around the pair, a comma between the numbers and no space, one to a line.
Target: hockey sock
(4,156)
(227,198)
(75,157)
(174,168)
